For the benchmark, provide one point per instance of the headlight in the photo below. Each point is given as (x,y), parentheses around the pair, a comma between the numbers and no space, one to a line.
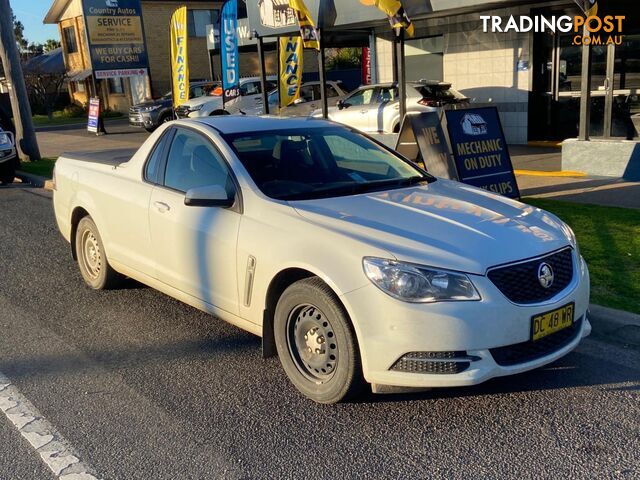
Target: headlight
(416,284)
(196,108)
(150,108)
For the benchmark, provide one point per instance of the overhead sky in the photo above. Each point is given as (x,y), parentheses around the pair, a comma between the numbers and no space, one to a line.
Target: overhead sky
(31,13)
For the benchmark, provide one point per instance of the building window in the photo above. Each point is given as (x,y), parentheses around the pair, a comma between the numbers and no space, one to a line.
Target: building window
(424,58)
(79,87)
(197,21)
(69,37)
(116,85)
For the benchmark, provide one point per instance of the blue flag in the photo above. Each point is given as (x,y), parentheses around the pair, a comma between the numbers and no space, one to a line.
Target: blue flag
(229,50)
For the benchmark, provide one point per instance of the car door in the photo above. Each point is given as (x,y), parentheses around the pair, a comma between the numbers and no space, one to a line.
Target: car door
(356,109)
(195,247)
(384,105)
(250,96)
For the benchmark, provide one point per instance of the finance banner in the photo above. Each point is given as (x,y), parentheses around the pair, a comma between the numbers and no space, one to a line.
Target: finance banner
(480,150)
(290,69)
(179,58)
(229,51)
(115,35)
(94,114)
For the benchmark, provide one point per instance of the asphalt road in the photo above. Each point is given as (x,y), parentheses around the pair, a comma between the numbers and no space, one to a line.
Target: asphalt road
(143,386)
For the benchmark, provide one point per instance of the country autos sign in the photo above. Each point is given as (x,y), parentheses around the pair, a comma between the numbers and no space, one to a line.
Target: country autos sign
(115,35)
(229,50)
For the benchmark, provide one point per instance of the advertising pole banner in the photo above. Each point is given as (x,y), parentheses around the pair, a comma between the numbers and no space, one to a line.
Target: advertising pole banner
(115,36)
(290,69)
(394,10)
(94,114)
(229,51)
(308,30)
(366,66)
(179,58)
(480,150)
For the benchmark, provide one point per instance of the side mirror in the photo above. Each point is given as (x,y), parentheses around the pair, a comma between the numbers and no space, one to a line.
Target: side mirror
(342,104)
(209,196)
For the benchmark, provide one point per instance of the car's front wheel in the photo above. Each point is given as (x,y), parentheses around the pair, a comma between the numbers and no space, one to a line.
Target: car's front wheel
(92,259)
(7,171)
(316,343)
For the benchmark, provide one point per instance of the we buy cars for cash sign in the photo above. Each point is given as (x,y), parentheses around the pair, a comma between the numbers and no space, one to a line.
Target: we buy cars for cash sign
(116,36)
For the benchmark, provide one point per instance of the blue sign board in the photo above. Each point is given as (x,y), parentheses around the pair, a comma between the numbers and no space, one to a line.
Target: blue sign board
(480,150)
(116,37)
(229,50)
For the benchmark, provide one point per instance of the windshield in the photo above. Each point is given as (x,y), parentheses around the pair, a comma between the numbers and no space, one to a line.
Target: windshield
(305,164)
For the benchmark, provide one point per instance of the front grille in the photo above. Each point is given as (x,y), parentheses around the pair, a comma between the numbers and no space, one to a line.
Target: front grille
(134,110)
(520,284)
(432,363)
(182,111)
(529,351)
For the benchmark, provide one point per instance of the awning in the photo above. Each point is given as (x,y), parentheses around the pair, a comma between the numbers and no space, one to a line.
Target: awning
(79,76)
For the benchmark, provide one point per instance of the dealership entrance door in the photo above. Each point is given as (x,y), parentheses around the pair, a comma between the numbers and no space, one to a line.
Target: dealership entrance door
(554,103)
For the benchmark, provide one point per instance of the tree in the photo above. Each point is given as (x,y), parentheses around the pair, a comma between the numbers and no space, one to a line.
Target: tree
(18,31)
(51,44)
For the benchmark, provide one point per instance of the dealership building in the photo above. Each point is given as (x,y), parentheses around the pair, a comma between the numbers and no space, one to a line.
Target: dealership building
(534,79)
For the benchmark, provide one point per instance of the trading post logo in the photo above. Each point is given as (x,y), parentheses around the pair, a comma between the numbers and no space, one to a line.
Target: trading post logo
(589,28)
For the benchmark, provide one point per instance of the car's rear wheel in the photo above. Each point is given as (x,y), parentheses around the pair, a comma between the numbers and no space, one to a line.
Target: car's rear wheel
(316,342)
(92,258)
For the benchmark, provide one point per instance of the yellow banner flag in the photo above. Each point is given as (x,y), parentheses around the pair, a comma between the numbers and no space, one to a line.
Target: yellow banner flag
(179,60)
(305,22)
(398,18)
(290,69)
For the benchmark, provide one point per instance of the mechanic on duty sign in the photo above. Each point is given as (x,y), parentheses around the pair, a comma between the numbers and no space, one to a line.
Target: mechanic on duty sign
(480,150)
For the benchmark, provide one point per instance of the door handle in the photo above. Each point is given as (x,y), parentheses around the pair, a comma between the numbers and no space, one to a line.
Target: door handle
(161,207)
(363,111)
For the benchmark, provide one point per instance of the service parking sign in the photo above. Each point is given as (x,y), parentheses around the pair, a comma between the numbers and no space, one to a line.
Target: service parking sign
(480,150)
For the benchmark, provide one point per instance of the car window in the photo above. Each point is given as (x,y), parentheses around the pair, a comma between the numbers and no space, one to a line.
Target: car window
(386,94)
(152,168)
(194,162)
(250,88)
(361,97)
(301,164)
(331,91)
(306,93)
(198,91)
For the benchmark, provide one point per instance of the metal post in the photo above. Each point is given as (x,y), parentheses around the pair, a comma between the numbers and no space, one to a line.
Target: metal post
(585,94)
(608,99)
(394,57)
(372,57)
(402,94)
(25,133)
(323,80)
(263,74)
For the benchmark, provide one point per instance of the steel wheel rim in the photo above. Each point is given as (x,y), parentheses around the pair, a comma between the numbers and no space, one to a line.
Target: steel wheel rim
(91,255)
(312,343)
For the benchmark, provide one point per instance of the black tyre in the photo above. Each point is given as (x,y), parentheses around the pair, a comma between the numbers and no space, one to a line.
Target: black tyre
(7,171)
(316,343)
(92,258)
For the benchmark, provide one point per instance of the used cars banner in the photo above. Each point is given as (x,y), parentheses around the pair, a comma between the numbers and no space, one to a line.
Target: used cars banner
(290,71)
(116,37)
(229,51)
(179,59)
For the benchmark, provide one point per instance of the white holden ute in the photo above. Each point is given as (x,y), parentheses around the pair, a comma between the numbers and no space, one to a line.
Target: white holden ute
(353,265)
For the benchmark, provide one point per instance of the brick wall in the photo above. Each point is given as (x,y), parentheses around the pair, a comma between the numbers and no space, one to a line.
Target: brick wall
(155,18)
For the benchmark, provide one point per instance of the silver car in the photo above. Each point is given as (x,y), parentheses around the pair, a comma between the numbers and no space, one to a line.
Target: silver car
(308,102)
(376,109)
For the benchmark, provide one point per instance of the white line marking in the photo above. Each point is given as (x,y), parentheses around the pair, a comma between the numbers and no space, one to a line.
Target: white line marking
(56,452)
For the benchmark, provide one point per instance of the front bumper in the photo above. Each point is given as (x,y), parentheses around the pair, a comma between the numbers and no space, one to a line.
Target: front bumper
(144,119)
(7,154)
(473,328)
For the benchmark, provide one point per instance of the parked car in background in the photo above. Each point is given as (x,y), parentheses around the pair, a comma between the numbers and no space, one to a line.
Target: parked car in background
(308,102)
(250,100)
(8,156)
(152,113)
(376,109)
(352,263)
